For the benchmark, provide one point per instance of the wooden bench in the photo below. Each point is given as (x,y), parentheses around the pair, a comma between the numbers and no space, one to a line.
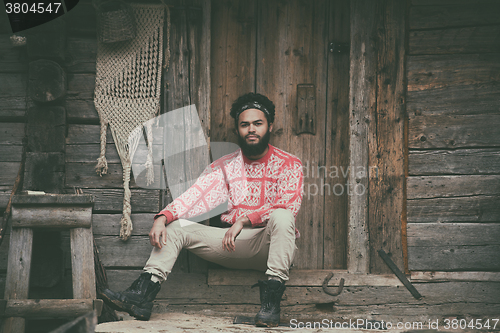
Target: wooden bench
(56,211)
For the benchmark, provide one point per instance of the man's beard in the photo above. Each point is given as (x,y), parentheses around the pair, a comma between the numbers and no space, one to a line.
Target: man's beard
(254,149)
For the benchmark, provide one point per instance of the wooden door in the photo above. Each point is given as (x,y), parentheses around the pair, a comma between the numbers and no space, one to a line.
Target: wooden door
(282,49)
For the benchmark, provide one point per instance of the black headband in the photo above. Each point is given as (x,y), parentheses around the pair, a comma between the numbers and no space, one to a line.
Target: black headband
(252,105)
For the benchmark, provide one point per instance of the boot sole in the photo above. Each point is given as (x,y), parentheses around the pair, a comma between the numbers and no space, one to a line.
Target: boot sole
(132,309)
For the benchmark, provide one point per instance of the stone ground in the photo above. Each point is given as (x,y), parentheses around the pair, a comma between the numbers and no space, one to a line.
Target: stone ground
(178,322)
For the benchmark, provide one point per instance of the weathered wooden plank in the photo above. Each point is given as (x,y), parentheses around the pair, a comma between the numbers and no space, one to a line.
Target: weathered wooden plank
(233,50)
(12,85)
(13,109)
(81,55)
(440,71)
(51,217)
(362,102)
(46,128)
(424,187)
(11,133)
(117,253)
(86,134)
(449,2)
(453,258)
(82,263)
(109,200)
(179,290)
(18,273)
(83,175)
(432,276)
(337,147)
(44,172)
(386,139)
(81,111)
(479,208)
(11,153)
(289,54)
(454,234)
(454,162)
(13,60)
(48,308)
(455,131)
(455,100)
(80,86)
(9,172)
(90,153)
(109,224)
(456,40)
(456,15)
(300,278)
(82,20)
(4,253)
(90,134)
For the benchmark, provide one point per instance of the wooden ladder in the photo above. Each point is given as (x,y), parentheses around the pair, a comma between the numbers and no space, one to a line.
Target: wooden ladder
(55,211)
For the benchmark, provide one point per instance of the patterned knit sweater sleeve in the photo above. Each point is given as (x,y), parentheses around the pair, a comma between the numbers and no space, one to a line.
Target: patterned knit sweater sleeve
(208,192)
(289,193)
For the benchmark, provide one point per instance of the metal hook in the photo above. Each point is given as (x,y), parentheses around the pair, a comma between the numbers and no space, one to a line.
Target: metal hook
(329,292)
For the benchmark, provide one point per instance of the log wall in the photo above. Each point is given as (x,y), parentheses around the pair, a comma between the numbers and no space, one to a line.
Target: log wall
(453,102)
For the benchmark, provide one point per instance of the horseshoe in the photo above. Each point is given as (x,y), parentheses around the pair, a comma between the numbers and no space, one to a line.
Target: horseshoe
(329,292)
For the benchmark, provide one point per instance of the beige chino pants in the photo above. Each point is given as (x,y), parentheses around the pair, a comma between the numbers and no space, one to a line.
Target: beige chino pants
(270,249)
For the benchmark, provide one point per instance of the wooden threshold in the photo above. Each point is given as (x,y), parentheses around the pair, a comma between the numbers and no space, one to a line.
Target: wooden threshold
(314,278)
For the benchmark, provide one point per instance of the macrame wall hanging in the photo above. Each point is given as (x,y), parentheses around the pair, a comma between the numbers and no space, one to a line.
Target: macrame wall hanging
(127,93)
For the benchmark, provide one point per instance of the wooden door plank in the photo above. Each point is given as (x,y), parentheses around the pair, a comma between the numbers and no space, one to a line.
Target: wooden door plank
(234,27)
(337,139)
(292,49)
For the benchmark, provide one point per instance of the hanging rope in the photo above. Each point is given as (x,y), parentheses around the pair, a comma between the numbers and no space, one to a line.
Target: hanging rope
(127,93)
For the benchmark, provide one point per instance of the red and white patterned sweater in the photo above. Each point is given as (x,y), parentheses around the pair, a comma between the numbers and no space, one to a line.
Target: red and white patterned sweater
(251,187)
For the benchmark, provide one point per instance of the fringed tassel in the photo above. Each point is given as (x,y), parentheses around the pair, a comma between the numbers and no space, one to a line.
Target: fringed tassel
(126,222)
(102,163)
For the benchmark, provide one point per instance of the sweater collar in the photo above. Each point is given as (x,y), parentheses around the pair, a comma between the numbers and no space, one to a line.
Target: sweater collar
(263,159)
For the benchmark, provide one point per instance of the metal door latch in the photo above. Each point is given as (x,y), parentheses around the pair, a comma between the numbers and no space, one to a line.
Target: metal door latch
(337,47)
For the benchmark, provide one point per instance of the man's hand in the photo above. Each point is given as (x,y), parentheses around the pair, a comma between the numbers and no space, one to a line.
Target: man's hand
(233,232)
(158,233)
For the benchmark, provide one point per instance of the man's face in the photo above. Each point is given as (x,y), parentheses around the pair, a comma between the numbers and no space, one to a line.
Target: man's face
(253,132)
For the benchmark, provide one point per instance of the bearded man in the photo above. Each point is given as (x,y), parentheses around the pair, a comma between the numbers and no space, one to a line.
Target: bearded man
(263,188)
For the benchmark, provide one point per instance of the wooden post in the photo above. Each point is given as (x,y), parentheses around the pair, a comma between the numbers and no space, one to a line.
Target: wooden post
(18,278)
(362,101)
(82,263)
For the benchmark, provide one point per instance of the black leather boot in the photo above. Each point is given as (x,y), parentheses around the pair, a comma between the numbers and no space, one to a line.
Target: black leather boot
(271,292)
(137,300)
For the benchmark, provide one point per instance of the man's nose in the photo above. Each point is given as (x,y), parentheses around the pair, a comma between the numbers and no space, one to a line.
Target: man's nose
(251,128)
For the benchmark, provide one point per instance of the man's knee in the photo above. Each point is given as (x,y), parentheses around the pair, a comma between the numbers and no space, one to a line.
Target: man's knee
(282,218)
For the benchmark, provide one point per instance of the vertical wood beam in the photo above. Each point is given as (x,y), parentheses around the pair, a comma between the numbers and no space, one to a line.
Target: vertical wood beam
(82,263)
(18,276)
(386,139)
(362,103)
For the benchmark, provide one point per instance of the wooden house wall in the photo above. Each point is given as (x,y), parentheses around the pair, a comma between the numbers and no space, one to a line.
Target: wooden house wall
(453,102)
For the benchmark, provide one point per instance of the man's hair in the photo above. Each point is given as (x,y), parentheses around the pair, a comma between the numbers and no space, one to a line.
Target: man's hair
(253,101)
